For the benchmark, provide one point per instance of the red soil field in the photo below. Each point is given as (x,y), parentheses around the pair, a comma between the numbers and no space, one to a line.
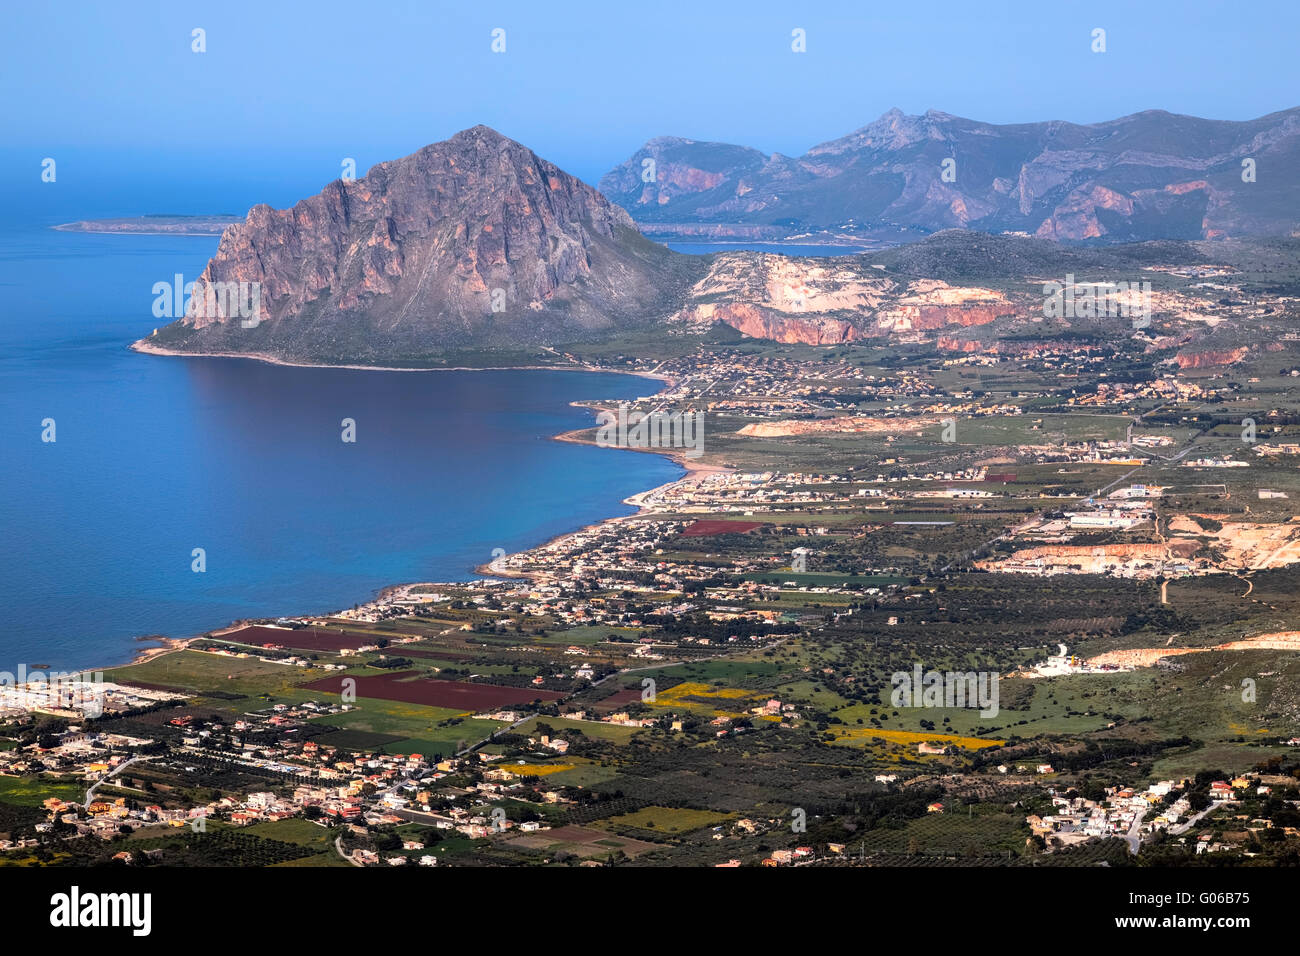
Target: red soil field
(302,638)
(453,694)
(700,529)
(617,701)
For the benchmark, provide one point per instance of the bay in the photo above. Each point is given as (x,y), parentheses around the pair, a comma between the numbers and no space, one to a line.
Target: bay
(157,456)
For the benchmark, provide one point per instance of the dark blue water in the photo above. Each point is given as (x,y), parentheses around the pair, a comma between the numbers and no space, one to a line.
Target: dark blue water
(780,248)
(156,456)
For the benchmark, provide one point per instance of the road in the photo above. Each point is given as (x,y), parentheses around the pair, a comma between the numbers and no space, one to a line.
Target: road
(488,738)
(338,845)
(1134,835)
(1192,821)
(1134,838)
(90,793)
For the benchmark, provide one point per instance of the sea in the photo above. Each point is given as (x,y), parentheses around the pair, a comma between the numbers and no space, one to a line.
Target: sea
(180,494)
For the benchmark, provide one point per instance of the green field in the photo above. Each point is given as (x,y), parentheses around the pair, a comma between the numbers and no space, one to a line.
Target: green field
(199,673)
(33,791)
(672,820)
(412,728)
(597,730)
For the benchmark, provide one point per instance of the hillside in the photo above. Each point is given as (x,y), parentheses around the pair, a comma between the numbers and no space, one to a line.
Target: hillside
(469,243)
(1152,175)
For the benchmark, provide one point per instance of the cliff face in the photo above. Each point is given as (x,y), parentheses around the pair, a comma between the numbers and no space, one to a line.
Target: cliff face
(1210,358)
(471,242)
(1152,175)
(832,301)
(763,323)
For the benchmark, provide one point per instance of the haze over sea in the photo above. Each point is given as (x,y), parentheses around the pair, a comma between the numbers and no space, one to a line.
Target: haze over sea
(156,456)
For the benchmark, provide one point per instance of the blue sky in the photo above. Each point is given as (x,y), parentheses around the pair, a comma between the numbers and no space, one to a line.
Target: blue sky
(286,90)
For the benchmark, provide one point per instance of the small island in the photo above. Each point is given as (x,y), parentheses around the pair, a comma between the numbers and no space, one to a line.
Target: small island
(155,225)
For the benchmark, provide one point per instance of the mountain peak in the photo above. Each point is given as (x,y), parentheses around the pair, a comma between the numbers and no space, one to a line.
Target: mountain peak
(468,242)
(480,133)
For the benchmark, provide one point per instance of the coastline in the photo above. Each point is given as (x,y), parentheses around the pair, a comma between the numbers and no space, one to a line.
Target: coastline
(145,348)
(577,437)
(169,645)
(202,227)
(70,227)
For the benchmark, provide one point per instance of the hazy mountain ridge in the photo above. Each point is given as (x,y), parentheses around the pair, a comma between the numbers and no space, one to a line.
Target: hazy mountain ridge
(1151,175)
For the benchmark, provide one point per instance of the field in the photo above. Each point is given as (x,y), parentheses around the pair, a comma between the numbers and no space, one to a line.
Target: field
(954,832)
(304,834)
(708,699)
(580,841)
(33,791)
(710,527)
(670,820)
(197,672)
(911,739)
(409,687)
(588,635)
(400,728)
(303,639)
(594,729)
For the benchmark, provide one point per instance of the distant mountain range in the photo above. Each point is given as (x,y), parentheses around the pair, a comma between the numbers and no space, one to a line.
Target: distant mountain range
(477,244)
(1152,175)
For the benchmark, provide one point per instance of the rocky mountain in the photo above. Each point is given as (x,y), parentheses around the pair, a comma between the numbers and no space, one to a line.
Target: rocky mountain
(1152,175)
(472,242)
(476,244)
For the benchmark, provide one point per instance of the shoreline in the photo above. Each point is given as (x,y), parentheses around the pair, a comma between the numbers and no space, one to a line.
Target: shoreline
(169,645)
(576,437)
(70,227)
(141,655)
(144,348)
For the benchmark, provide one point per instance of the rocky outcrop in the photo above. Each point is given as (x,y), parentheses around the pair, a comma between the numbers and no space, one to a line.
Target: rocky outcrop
(930,317)
(669,168)
(832,301)
(950,343)
(760,323)
(1076,218)
(470,242)
(1211,357)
